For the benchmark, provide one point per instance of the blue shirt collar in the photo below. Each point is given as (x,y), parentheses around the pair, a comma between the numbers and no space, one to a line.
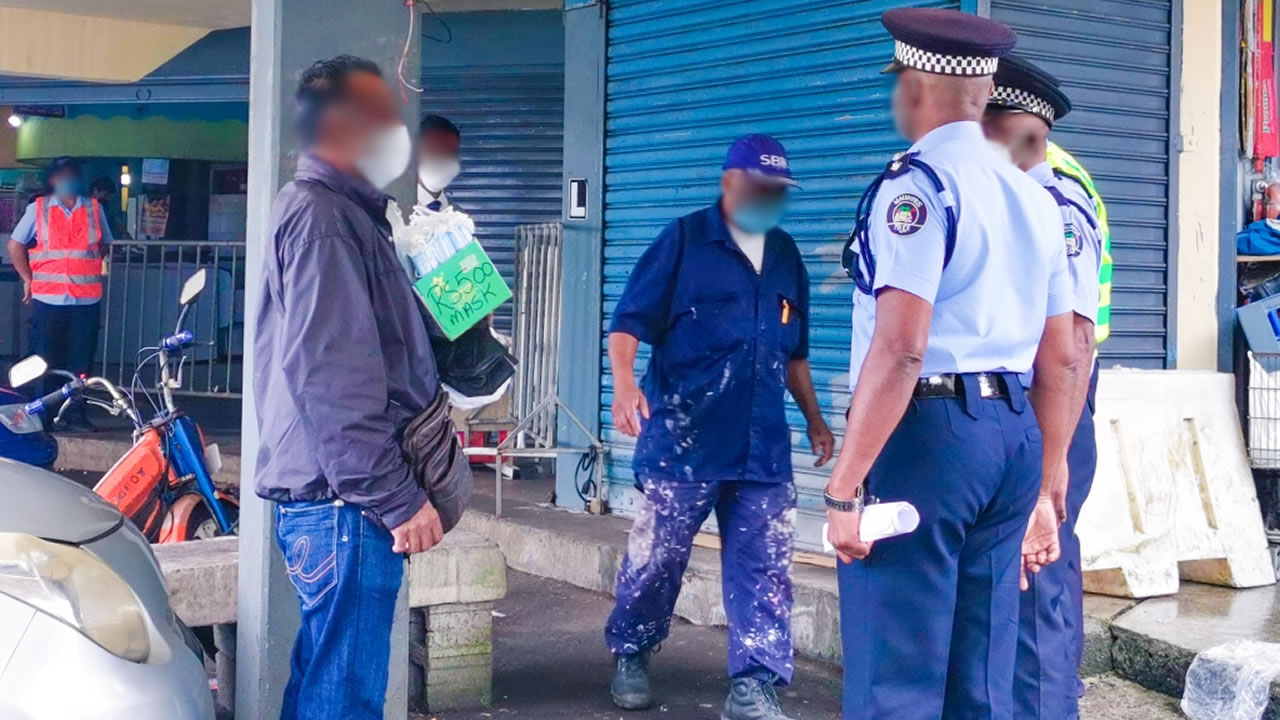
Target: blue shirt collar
(357,188)
(80,200)
(719,226)
(1042,173)
(961,130)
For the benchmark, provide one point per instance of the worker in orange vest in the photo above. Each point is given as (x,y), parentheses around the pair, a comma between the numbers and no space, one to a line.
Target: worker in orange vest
(57,248)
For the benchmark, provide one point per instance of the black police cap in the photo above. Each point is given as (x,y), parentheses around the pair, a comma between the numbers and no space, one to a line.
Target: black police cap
(946,42)
(1021,86)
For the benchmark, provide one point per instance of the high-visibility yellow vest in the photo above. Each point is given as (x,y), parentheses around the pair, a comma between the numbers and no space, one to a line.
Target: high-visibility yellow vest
(1063,163)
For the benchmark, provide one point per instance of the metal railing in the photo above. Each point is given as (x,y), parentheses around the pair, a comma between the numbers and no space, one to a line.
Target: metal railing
(537,329)
(140,299)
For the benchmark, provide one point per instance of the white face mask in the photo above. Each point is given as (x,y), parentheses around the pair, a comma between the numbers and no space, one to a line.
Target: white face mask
(435,174)
(386,156)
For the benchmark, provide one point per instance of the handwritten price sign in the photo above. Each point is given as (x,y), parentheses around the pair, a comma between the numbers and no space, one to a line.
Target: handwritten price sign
(463,289)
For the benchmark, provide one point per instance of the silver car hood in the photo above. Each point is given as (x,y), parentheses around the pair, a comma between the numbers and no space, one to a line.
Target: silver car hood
(49,506)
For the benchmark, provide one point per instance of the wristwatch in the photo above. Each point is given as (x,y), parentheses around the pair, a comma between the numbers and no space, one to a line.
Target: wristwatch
(853,505)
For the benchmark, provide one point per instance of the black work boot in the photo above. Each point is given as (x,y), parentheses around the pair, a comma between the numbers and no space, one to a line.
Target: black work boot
(630,686)
(752,699)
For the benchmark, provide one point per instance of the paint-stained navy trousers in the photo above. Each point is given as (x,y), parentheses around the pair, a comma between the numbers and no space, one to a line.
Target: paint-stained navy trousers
(1051,632)
(757,527)
(929,620)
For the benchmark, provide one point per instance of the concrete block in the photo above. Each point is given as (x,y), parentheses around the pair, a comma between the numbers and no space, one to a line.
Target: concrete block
(202,579)
(1173,493)
(465,568)
(459,656)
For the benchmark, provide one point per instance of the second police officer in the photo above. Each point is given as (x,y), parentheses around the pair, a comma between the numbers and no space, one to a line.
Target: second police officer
(962,285)
(1026,103)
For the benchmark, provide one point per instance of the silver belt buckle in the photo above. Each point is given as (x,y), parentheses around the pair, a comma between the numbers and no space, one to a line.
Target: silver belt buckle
(985,387)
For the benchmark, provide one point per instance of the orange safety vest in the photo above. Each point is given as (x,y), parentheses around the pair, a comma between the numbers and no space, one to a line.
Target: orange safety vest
(67,257)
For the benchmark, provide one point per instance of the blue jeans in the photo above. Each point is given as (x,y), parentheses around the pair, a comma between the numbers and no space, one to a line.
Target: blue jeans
(757,527)
(347,578)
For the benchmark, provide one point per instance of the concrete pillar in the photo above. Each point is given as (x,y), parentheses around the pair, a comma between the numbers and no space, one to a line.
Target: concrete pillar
(287,36)
(1194,260)
(583,260)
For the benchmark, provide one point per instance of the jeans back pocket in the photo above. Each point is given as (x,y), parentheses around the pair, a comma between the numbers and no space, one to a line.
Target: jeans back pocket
(308,536)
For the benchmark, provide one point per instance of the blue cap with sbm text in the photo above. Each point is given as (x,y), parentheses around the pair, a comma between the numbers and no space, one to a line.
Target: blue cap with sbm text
(761,157)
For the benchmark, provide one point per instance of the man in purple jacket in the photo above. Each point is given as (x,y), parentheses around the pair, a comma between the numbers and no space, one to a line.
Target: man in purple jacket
(344,362)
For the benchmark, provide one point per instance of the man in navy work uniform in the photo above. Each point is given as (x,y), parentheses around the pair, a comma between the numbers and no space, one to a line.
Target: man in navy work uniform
(723,297)
(1026,103)
(962,284)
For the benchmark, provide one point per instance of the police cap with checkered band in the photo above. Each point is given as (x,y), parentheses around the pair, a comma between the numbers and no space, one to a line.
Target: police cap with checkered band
(946,42)
(1023,87)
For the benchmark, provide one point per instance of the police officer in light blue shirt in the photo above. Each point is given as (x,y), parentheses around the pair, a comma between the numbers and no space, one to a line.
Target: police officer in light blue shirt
(1026,103)
(961,285)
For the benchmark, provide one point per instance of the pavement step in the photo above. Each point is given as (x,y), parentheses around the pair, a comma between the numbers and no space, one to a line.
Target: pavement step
(98,452)
(1156,640)
(586,551)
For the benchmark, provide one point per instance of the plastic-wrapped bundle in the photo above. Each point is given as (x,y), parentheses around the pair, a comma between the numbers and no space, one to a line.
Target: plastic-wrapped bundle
(429,237)
(1231,681)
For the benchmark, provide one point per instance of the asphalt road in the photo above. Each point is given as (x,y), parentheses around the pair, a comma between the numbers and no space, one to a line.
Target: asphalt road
(550,662)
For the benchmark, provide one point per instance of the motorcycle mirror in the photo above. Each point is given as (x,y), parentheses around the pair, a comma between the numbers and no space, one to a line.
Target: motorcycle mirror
(192,288)
(26,370)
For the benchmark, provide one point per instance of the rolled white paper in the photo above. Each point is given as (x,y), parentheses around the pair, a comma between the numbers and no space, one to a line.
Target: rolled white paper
(880,521)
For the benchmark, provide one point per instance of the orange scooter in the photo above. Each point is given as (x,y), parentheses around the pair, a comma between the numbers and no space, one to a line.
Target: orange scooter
(164,483)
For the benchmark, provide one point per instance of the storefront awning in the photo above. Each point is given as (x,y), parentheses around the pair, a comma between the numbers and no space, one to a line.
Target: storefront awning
(121,41)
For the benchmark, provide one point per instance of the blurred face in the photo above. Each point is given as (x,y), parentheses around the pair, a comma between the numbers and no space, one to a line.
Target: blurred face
(751,205)
(363,131)
(1018,132)
(905,103)
(65,184)
(438,160)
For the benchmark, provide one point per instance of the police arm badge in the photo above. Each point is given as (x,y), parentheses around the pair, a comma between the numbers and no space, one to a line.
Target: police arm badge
(907,214)
(1072,240)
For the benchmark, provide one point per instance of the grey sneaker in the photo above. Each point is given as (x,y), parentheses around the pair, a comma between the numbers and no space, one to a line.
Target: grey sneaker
(752,699)
(630,686)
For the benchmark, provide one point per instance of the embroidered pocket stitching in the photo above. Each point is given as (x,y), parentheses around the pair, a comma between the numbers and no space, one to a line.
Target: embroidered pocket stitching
(300,551)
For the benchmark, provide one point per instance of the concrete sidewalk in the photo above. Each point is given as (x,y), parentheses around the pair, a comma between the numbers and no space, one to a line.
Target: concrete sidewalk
(551,663)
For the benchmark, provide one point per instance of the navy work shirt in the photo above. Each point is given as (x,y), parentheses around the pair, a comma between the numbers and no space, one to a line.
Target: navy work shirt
(343,354)
(722,336)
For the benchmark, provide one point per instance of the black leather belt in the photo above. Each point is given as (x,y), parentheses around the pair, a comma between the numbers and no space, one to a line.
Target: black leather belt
(951,385)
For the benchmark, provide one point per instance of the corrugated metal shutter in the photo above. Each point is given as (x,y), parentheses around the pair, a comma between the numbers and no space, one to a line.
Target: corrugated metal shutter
(512,123)
(685,78)
(1113,58)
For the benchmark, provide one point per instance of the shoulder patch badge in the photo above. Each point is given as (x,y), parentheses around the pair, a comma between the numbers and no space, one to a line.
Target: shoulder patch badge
(907,214)
(1073,240)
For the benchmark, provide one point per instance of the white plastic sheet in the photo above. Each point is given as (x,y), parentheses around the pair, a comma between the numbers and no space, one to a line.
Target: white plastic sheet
(1231,681)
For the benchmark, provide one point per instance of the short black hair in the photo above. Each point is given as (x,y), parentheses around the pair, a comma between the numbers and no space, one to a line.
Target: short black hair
(438,123)
(104,184)
(62,164)
(322,84)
